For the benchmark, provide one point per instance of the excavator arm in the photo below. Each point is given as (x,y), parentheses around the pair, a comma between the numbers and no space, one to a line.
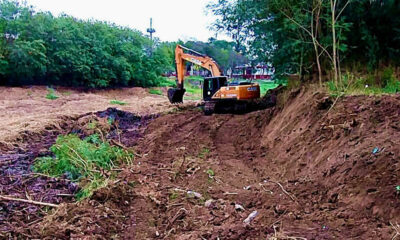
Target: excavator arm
(175,95)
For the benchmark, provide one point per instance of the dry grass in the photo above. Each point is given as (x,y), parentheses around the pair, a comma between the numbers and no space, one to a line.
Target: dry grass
(25,109)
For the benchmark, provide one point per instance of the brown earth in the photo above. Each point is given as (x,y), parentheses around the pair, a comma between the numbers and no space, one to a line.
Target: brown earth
(27,109)
(309,170)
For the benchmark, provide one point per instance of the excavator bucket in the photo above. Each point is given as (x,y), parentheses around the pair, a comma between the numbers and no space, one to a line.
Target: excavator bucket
(175,95)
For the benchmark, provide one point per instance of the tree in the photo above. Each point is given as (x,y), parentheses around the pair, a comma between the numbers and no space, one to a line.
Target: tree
(38,48)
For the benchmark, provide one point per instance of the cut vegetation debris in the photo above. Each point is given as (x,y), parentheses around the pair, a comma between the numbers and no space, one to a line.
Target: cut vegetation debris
(90,162)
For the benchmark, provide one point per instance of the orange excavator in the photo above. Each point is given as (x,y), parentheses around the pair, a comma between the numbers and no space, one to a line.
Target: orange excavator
(217,93)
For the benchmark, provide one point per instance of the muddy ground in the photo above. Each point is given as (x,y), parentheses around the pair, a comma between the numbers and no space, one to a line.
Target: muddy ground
(310,170)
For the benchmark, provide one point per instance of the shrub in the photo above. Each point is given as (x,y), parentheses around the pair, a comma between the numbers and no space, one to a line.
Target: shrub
(88,161)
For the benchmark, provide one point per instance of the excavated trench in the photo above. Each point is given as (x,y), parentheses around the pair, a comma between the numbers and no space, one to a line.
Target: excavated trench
(309,170)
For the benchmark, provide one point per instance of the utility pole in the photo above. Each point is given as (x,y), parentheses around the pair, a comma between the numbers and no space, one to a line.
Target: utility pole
(151,30)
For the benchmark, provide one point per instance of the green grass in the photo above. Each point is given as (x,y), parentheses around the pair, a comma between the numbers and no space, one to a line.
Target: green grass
(155,91)
(89,162)
(67,93)
(117,102)
(193,91)
(266,85)
(167,82)
(204,152)
(351,85)
(51,94)
(195,78)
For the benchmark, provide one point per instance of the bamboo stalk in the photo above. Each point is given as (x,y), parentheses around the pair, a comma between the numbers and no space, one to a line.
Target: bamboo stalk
(29,201)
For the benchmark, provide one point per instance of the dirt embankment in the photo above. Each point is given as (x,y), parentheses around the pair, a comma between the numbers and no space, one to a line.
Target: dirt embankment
(308,170)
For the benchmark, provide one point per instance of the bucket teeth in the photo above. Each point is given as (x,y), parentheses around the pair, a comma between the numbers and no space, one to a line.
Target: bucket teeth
(175,95)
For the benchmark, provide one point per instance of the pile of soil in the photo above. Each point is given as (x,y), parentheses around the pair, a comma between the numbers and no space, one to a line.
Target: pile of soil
(305,169)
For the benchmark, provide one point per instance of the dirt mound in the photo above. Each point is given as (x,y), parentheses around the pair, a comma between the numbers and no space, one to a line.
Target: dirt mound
(303,168)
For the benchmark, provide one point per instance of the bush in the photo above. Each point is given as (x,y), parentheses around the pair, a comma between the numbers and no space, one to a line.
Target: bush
(88,161)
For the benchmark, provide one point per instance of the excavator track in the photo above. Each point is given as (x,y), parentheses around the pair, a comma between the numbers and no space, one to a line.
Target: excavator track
(209,108)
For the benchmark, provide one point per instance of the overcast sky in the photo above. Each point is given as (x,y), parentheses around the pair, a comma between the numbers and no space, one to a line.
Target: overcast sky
(172,19)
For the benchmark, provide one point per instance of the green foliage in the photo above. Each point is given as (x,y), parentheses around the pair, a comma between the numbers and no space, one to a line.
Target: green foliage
(204,153)
(38,48)
(174,195)
(155,91)
(117,102)
(51,94)
(280,32)
(266,85)
(110,120)
(223,52)
(398,188)
(85,161)
(210,172)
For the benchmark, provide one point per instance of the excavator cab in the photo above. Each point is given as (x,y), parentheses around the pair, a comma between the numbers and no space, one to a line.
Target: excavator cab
(212,85)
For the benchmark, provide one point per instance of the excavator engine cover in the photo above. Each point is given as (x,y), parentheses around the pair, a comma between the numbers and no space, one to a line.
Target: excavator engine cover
(175,95)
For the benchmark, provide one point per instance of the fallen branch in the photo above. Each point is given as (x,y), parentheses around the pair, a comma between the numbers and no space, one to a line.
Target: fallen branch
(125,148)
(283,190)
(180,214)
(396,227)
(29,201)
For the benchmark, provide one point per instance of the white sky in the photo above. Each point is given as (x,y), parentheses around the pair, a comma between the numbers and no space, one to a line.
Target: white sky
(172,19)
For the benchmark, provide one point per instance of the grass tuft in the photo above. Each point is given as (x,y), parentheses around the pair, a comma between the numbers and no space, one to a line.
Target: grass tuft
(155,91)
(117,102)
(51,94)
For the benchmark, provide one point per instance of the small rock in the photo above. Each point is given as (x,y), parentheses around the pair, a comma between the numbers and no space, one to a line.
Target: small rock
(251,217)
(239,207)
(193,194)
(209,203)
(247,188)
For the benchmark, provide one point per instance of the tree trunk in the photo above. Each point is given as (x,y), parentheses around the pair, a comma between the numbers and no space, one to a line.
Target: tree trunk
(334,51)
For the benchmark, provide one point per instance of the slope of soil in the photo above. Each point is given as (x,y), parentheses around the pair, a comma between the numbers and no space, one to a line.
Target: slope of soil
(309,171)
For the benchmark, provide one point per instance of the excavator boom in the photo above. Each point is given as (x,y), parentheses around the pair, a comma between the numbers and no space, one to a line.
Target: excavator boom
(175,95)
